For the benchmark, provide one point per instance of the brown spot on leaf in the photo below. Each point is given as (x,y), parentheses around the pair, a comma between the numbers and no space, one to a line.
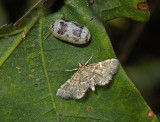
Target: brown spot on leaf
(143,6)
(36,85)
(89,108)
(150,114)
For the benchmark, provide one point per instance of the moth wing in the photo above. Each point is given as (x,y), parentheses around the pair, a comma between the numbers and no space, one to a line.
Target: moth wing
(103,71)
(75,87)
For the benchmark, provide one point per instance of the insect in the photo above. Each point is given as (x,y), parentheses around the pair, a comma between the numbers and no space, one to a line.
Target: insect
(70,31)
(87,77)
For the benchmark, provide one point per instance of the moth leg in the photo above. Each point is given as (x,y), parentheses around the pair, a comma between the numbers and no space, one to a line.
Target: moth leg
(72,69)
(47,36)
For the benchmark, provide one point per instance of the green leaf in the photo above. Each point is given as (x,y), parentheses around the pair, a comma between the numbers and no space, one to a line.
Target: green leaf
(31,71)
(110,9)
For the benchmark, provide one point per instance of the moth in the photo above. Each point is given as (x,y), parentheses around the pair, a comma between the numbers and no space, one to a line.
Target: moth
(86,77)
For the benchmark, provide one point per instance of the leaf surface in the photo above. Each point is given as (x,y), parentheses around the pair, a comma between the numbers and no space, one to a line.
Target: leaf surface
(32,70)
(109,9)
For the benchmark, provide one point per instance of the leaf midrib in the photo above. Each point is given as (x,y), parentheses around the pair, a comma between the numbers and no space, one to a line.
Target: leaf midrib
(44,67)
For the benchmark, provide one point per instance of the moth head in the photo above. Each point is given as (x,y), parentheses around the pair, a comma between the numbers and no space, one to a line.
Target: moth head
(80,65)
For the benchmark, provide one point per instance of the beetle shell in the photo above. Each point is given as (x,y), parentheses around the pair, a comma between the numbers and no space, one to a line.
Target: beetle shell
(70,31)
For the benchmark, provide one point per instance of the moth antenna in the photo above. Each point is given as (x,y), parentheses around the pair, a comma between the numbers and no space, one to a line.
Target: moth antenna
(88,60)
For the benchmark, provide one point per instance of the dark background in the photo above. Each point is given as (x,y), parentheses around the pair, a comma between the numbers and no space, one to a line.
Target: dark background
(136,44)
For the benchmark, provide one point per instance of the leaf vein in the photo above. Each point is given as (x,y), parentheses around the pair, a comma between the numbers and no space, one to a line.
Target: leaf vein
(44,68)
